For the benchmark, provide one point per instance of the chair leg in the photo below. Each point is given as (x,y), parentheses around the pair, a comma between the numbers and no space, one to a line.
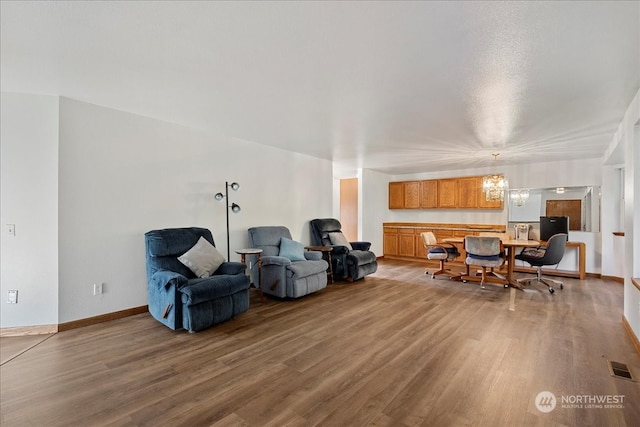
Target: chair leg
(484,276)
(551,282)
(545,281)
(529,280)
(442,270)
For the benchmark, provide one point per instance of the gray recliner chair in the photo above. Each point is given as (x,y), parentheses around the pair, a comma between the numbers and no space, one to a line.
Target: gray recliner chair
(351,260)
(177,297)
(281,276)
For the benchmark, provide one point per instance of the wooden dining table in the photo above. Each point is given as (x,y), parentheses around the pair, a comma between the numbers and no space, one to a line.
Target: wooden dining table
(510,246)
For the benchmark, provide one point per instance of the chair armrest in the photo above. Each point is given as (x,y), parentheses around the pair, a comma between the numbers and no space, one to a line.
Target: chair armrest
(449,248)
(313,255)
(533,252)
(230,267)
(165,278)
(340,250)
(361,246)
(213,287)
(275,260)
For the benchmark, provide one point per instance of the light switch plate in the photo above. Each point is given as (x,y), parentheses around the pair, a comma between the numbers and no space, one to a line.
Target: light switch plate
(12,297)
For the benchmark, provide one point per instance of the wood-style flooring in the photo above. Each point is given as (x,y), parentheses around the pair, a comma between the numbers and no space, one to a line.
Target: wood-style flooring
(395,349)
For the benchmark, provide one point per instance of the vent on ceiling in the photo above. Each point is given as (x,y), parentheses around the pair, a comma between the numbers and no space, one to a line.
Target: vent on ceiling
(620,370)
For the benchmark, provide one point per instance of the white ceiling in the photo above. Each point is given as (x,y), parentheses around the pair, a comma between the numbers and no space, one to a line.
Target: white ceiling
(400,87)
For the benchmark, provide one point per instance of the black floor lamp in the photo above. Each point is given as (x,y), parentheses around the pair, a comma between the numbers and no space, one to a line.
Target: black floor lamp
(234,207)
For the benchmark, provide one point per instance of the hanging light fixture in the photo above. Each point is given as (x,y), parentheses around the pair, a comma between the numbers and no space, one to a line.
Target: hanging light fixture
(520,197)
(494,185)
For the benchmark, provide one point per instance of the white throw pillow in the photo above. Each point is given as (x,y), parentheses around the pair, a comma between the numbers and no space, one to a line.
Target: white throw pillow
(203,258)
(337,238)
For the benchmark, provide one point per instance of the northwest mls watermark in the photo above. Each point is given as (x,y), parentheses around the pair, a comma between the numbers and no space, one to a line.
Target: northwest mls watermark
(547,401)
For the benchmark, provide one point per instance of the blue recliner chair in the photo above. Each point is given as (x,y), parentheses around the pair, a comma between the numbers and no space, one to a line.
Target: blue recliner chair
(281,276)
(179,299)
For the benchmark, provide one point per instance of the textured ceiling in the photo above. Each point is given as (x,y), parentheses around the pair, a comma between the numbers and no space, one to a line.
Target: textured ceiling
(399,87)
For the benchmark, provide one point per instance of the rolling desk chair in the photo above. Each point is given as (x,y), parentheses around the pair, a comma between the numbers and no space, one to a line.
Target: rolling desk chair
(551,254)
(442,252)
(485,252)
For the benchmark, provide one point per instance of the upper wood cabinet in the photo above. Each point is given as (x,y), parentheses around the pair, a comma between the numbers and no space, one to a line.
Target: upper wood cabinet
(468,192)
(448,193)
(396,195)
(412,195)
(429,194)
(405,195)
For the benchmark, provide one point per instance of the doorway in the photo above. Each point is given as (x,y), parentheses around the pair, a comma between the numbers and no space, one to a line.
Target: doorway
(349,208)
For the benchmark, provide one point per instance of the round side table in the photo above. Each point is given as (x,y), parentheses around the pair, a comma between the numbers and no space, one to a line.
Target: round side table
(243,259)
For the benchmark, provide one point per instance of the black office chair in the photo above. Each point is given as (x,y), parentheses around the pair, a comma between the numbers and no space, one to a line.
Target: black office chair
(551,254)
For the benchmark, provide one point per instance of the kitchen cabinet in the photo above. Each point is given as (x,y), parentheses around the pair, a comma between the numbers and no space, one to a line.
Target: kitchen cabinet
(447,193)
(429,194)
(396,195)
(404,240)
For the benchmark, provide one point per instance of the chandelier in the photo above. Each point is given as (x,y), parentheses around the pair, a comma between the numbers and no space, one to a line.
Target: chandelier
(494,185)
(519,197)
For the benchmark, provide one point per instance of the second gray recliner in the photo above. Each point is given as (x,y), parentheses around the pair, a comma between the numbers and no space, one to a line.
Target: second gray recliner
(282,277)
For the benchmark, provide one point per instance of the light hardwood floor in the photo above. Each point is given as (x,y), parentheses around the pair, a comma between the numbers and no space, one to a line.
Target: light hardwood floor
(397,348)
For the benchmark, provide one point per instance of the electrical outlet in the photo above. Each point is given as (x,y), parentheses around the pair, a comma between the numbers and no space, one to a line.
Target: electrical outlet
(12,297)
(97,288)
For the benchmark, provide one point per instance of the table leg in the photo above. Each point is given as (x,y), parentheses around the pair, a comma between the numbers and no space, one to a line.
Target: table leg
(511,251)
(243,259)
(260,277)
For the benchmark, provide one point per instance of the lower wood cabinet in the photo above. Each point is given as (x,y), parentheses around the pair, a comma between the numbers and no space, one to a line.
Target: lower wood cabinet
(404,241)
(390,241)
(399,242)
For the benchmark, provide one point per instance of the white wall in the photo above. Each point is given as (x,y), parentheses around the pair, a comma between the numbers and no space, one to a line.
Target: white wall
(612,262)
(627,141)
(121,175)
(629,135)
(29,199)
(373,207)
